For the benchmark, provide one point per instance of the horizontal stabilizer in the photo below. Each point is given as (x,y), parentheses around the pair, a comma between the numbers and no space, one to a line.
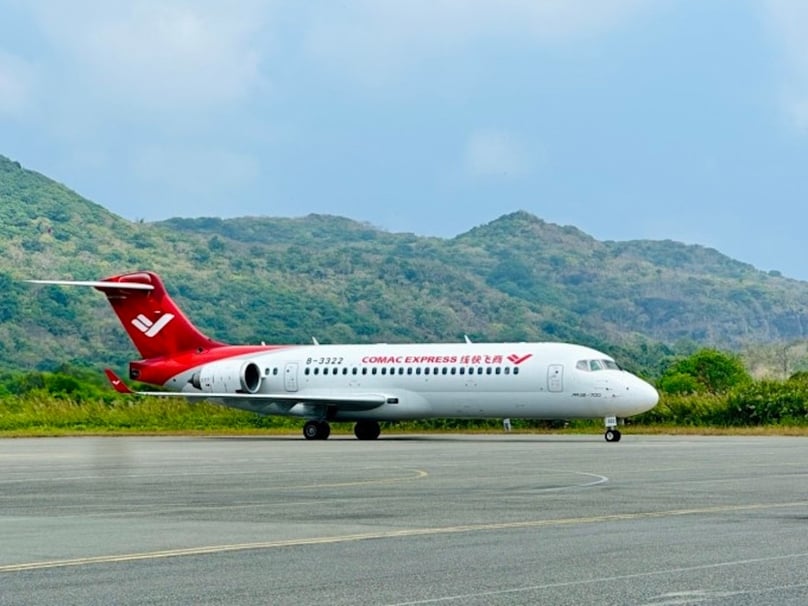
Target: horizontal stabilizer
(154,323)
(117,384)
(96,284)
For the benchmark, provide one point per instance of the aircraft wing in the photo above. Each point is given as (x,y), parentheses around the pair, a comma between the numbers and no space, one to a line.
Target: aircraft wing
(352,402)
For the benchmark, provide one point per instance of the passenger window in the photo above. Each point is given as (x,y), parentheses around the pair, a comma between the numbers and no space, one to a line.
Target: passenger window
(409,370)
(426,370)
(507,370)
(498,370)
(373,370)
(317,371)
(305,372)
(384,371)
(418,370)
(445,370)
(489,370)
(454,370)
(462,370)
(516,370)
(355,370)
(364,371)
(480,370)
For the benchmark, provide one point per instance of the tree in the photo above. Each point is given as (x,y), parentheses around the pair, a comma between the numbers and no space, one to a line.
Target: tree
(707,370)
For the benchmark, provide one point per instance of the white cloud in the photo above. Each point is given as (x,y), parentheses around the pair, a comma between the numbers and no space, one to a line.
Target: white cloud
(494,153)
(158,54)
(369,39)
(788,24)
(796,107)
(194,170)
(16,80)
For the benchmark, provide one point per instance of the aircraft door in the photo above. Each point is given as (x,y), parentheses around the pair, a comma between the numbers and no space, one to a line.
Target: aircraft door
(555,378)
(290,376)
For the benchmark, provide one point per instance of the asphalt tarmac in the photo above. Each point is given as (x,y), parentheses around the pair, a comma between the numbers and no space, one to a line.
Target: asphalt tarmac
(405,520)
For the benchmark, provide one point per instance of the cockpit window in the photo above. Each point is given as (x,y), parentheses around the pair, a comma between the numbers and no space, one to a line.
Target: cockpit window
(595,365)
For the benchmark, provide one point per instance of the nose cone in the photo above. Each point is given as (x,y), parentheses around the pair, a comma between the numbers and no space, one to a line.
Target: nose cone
(640,396)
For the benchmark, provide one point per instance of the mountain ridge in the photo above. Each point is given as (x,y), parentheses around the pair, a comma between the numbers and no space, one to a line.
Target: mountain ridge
(250,279)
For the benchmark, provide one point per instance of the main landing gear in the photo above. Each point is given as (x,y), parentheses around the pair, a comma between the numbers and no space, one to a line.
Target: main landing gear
(320,430)
(612,433)
(367,430)
(316,430)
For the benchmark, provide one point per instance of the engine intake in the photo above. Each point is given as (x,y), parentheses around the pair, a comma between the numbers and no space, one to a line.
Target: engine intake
(229,376)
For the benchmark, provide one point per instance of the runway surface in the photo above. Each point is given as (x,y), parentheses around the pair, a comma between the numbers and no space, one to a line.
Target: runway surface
(506,519)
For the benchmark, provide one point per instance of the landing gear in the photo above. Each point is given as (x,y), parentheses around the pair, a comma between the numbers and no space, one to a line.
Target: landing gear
(320,430)
(612,433)
(367,430)
(316,430)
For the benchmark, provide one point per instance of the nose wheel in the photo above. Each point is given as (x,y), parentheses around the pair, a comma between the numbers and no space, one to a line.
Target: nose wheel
(612,433)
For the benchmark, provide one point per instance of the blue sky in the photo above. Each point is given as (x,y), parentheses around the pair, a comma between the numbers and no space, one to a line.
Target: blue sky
(630,119)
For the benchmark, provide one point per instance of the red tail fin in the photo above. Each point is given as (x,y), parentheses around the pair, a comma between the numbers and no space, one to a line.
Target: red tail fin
(153,321)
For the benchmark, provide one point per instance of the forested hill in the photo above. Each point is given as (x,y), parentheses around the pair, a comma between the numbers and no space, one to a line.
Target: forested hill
(285,280)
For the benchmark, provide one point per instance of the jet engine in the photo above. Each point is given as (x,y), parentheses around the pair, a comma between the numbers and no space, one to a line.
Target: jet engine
(228,376)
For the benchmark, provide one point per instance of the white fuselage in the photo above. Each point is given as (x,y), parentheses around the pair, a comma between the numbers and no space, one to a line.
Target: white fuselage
(466,380)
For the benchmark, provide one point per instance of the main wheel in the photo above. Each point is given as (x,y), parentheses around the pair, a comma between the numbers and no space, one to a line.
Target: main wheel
(316,430)
(367,430)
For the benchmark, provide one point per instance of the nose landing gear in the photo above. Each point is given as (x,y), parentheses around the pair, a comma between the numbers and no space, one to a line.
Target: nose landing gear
(612,433)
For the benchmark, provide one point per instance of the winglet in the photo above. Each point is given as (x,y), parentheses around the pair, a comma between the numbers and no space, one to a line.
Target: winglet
(117,384)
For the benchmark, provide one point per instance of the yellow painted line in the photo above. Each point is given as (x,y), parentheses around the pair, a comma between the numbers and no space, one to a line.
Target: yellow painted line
(390,534)
(418,475)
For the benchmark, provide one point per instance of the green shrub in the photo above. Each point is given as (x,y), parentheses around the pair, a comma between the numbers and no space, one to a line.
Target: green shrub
(707,370)
(689,410)
(769,402)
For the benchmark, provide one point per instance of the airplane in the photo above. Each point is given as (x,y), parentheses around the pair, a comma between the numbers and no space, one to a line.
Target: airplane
(365,384)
